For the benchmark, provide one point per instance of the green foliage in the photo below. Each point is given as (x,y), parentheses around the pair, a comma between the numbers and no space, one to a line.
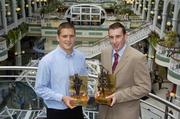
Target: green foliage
(13,35)
(23,28)
(154,38)
(169,39)
(122,8)
(53,6)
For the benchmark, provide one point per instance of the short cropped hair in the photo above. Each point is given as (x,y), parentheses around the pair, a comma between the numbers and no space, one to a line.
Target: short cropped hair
(117,25)
(65,25)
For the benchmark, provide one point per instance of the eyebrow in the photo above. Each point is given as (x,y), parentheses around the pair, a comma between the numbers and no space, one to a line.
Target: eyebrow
(115,36)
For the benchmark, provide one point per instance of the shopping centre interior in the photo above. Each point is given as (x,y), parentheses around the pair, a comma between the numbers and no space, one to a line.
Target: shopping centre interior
(28,30)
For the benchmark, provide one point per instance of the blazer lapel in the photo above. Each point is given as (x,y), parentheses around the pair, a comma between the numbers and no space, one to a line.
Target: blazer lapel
(124,60)
(109,60)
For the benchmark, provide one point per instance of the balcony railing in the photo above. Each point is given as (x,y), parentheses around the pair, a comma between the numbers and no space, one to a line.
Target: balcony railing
(174,68)
(175,62)
(169,57)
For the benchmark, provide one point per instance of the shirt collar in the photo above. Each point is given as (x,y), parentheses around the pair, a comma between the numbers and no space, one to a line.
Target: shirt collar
(120,52)
(64,53)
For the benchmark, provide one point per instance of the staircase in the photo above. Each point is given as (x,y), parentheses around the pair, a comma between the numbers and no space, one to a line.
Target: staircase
(133,37)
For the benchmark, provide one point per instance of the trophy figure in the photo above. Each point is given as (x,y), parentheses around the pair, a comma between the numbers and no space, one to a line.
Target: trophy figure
(105,87)
(78,89)
(77,84)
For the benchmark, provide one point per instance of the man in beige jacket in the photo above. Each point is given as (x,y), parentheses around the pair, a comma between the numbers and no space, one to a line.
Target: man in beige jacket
(132,76)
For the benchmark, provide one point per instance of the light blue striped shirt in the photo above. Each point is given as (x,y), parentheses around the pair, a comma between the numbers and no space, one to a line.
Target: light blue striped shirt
(52,79)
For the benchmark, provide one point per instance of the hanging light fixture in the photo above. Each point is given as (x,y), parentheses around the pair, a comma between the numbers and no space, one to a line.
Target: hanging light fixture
(8,13)
(168,23)
(152,12)
(159,17)
(18,9)
(6,5)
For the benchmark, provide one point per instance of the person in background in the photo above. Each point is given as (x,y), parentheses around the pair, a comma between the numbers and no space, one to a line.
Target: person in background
(132,76)
(52,80)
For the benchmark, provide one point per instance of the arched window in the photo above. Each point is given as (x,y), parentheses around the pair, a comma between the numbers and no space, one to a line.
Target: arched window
(86,14)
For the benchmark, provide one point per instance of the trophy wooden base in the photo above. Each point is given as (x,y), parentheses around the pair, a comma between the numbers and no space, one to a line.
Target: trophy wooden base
(102,100)
(81,100)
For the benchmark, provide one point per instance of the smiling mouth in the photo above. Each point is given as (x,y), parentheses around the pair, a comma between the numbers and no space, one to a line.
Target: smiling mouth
(68,43)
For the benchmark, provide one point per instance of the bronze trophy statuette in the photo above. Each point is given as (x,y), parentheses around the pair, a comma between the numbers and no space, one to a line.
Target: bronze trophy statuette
(105,87)
(78,89)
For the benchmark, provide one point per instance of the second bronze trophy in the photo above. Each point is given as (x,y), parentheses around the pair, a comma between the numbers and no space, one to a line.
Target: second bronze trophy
(105,86)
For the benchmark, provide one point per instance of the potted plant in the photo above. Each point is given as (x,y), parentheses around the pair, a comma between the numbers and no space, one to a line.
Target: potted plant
(169,40)
(154,38)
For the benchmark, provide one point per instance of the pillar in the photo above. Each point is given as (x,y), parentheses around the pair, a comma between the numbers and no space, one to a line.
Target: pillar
(155,13)
(149,10)
(4,20)
(29,8)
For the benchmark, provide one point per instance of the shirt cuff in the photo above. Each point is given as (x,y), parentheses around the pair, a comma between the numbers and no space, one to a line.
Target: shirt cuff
(58,97)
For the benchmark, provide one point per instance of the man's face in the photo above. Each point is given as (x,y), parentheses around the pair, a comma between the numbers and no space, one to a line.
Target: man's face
(117,38)
(66,39)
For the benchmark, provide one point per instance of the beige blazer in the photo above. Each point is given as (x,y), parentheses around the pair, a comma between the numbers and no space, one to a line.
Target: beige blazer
(132,83)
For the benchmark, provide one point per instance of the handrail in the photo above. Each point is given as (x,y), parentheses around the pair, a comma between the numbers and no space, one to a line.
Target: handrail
(17,68)
(169,104)
(157,108)
(174,57)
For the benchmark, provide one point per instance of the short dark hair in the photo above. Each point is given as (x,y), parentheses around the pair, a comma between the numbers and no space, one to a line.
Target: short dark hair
(117,25)
(65,25)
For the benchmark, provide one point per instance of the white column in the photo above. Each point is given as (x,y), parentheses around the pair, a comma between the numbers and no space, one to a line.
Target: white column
(164,17)
(175,15)
(135,8)
(149,10)
(133,5)
(150,57)
(155,13)
(1,17)
(143,10)
(40,4)
(29,8)
(139,7)
(23,9)
(4,20)
(14,4)
(35,6)
(18,44)
(18,53)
